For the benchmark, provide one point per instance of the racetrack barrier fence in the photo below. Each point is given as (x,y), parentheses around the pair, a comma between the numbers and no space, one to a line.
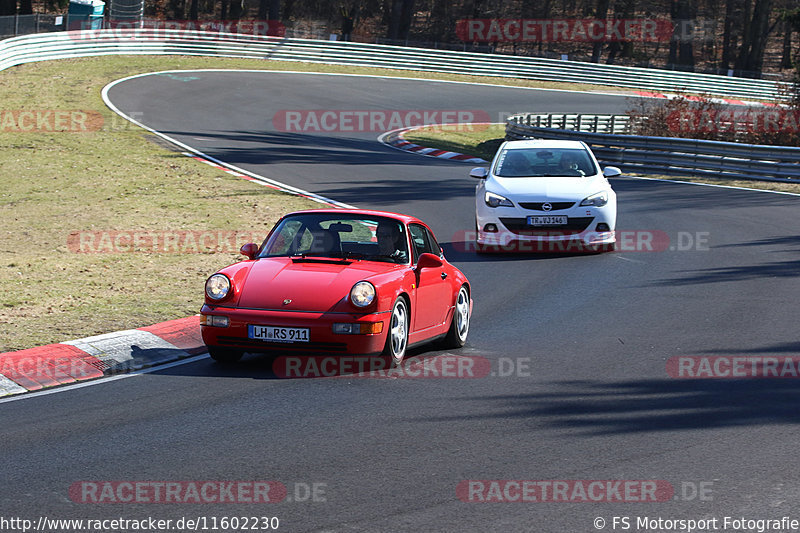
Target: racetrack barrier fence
(160,41)
(661,155)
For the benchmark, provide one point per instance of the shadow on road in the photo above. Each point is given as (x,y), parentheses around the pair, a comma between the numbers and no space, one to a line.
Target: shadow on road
(643,406)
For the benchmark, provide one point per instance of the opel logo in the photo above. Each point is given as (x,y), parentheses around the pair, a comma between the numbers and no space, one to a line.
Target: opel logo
(287,301)
(547,206)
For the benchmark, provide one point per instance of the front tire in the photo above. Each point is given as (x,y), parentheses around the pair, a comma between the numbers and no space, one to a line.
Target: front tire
(397,337)
(224,355)
(459,325)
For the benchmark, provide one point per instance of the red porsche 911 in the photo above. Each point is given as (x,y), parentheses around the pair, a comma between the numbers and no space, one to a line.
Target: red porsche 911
(337,281)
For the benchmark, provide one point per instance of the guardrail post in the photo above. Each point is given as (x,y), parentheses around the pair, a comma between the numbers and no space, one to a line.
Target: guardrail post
(578,122)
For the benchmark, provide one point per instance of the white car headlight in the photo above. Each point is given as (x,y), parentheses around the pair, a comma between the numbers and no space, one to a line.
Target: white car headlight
(218,286)
(362,294)
(495,200)
(598,199)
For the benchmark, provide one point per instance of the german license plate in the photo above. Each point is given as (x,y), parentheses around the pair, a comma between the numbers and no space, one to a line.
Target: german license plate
(547,220)
(277,333)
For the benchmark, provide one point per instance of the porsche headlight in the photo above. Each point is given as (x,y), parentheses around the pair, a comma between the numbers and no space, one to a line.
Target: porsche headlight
(598,199)
(362,294)
(218,286)
(495,200)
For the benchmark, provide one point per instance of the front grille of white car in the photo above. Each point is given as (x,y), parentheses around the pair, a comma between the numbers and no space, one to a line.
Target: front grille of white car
(554,206)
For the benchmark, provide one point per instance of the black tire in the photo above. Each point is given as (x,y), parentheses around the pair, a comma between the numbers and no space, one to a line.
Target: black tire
(459,325)
(397,336)
(224,355)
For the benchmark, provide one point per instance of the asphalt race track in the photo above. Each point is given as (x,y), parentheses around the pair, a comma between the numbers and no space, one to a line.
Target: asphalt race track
(589,337)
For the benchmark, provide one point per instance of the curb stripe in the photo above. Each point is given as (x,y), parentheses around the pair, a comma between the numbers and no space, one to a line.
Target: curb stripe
(396,140)
(94,357)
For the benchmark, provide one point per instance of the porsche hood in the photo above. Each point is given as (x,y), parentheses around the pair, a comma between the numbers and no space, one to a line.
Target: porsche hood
(314,285)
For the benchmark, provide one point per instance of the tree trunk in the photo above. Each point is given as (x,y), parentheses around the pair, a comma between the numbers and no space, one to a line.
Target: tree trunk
(786,59)
(402,11)
(440,22)
(395,13)
(601,13)
(236,9)
(681,48)
(745,46)
(269,9)
(759,29)
(728,39)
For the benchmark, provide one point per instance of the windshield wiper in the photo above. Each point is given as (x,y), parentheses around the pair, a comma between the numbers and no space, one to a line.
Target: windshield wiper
(321,256)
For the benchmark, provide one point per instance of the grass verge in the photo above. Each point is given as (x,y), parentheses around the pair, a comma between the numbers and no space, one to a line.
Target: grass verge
(483,142)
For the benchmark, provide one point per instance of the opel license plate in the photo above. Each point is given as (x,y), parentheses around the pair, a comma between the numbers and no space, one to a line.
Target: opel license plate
(547,220)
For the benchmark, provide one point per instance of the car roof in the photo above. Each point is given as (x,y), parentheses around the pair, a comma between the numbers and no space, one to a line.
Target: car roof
(363,212)
(542,143)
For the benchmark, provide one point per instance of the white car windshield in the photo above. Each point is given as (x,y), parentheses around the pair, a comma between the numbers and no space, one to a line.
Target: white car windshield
(544,162)
(347,236)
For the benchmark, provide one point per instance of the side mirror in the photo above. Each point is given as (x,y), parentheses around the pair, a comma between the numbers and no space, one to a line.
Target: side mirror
(479,173)
(612,172)
(429,261)
(250,250)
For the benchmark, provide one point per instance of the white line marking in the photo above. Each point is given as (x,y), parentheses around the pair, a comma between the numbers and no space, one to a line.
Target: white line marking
(107,379)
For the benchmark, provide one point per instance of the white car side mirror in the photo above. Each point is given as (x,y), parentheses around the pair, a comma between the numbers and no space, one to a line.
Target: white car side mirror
(478,173)
(611,172)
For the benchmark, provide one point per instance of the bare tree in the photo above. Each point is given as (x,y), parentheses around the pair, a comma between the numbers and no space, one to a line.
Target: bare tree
(600,12)
(681,47)
(400,16)
(751,54)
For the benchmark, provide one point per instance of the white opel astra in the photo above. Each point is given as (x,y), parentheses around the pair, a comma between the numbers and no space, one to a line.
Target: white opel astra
(545,195)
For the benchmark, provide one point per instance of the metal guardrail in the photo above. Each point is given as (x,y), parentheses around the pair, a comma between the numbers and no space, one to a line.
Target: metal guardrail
(61,45)
(665,155)
(580,122)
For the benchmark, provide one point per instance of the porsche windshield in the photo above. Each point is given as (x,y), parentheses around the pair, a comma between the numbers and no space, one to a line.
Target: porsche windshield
(545,162)
(347,236)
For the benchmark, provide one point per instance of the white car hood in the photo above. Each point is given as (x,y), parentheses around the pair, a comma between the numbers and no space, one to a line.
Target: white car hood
(561,188)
